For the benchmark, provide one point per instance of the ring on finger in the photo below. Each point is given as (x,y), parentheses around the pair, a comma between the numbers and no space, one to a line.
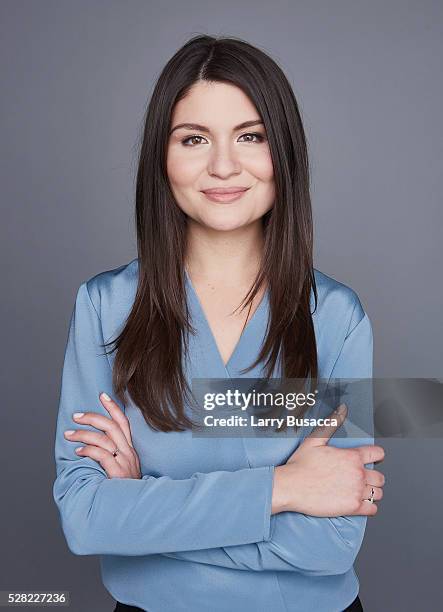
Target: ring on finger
(371,496)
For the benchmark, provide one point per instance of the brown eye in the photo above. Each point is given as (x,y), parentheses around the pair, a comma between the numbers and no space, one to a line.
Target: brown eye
(190,138)
(194,140)
(260,137)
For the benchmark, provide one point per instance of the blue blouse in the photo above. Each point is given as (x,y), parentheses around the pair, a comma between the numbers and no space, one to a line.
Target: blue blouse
(196,533)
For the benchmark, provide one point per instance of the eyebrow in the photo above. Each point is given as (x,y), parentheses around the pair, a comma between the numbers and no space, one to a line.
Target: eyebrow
(202,128)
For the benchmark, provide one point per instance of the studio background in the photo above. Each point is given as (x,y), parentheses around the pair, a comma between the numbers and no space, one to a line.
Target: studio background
(76,79)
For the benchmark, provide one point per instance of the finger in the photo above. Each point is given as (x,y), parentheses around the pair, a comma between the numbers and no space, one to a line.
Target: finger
(374,477)
(105,459)
(91,437)
(367,508)
(371,453)
(116,413)
(108,425)
(378,493)
(322,433)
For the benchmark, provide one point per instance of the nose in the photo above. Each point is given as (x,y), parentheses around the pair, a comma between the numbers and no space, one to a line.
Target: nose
(223,161)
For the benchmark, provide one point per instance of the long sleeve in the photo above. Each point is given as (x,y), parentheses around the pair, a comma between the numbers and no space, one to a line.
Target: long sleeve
(300,542)
(124,516)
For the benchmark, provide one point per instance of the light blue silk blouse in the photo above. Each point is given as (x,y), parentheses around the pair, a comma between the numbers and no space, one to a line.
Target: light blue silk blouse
(195,533)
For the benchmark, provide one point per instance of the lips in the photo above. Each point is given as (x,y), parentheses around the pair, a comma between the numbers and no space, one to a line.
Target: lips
(225,194)
(224,190)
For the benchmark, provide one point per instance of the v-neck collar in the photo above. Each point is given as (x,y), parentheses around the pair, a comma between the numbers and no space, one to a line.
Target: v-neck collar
(249,343)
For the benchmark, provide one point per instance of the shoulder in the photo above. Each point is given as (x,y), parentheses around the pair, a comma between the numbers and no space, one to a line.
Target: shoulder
(112,293)
(112,284)
(337,304)
(340,321)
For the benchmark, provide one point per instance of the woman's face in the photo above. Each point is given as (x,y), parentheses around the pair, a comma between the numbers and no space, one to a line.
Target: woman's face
(215,152)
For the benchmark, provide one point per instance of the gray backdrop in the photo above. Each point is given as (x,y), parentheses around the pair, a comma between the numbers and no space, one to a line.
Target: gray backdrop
(76,77)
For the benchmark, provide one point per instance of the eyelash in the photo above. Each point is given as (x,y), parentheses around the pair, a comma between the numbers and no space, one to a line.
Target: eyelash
(260,137)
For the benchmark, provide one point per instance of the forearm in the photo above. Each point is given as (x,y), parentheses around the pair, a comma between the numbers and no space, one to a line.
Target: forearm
(301,543)
(125,516)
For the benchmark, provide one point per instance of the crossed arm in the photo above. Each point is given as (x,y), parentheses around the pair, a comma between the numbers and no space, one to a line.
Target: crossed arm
(202,518)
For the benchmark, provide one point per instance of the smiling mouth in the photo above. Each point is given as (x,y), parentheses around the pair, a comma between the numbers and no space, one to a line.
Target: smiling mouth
(225,195)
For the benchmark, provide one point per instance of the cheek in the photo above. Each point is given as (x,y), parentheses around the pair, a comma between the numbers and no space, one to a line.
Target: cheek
(261,167)
(182,169)
(264,172)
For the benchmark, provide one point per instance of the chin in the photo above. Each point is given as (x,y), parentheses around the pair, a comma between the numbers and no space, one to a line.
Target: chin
(225,222)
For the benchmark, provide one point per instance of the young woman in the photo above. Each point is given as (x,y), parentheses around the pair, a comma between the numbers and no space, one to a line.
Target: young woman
(223,214)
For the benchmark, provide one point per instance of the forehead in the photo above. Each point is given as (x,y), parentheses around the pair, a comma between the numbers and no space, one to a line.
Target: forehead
(213,103)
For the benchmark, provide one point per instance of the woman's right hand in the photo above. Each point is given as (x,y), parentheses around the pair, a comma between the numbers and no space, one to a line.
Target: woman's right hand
(322,480)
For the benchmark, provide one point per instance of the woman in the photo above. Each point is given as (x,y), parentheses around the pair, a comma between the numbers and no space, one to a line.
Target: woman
(223,218)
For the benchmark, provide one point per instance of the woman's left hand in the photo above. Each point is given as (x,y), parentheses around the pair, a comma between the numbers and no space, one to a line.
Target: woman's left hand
(101,446)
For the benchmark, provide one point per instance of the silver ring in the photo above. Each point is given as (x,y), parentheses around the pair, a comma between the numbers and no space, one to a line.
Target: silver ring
(115,453)
(371,499)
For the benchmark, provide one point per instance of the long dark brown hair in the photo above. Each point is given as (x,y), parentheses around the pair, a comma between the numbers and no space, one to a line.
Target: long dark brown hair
(150,348)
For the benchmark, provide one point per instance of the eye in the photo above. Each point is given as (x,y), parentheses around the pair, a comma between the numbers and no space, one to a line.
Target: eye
(186,140)
(190,140)
(260,137)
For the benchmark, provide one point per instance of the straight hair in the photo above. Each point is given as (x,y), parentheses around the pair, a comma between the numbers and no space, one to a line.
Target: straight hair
(154,340)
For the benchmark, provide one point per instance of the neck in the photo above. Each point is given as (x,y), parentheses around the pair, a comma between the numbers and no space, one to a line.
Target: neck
(232,256)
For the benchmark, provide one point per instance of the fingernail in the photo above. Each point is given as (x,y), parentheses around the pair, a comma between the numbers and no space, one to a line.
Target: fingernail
(105,396)
(69,432)
(78,449)
(341,409)
(77,415)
